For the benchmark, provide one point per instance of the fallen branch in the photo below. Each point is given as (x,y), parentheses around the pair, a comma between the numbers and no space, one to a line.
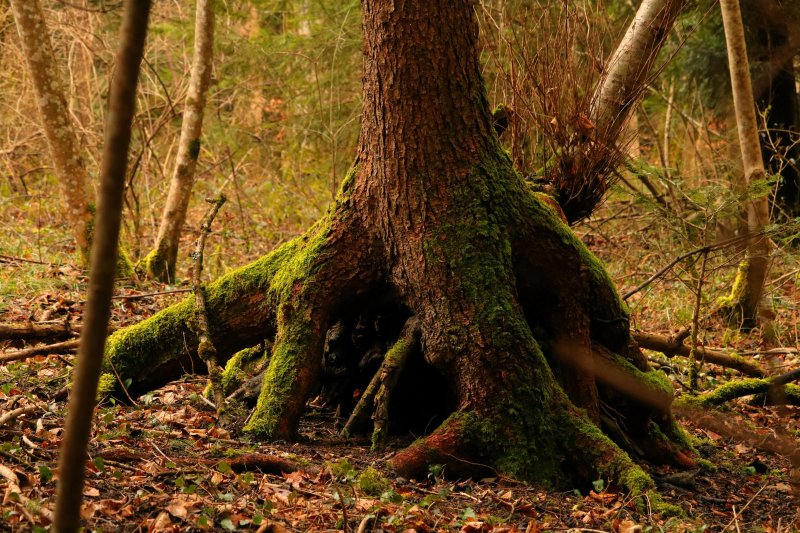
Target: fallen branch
(12,415)
(384,380)
(30,330)
(672,346)
(57,348)
(777,389)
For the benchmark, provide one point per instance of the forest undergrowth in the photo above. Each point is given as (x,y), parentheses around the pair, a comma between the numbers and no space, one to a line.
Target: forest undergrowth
(164,464)
(277,145)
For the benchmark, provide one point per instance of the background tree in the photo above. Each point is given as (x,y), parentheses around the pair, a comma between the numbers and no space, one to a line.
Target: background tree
(160,263)
(749,287)
(434,223)
(64,146)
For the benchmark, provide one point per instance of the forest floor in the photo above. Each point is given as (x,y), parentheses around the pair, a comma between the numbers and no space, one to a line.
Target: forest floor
(163,464)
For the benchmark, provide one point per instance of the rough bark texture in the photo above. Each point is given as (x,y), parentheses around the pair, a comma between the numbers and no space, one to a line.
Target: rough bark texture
(56,122)
(513,310)
(160,263)
(746,301)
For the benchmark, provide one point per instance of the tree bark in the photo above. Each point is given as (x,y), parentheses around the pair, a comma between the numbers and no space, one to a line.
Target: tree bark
(160,263)
(516,316)
(122,102)
(745,300)
(629,69)
(56,122)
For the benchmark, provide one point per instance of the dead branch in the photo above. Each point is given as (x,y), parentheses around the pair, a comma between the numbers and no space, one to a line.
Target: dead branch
(672,346)
(30,330)
(57,348)
(384,380)
(206,349)
(12,415)
(700,250)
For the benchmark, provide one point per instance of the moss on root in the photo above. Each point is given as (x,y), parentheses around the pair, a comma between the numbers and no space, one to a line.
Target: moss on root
(144,347)
(789,393)
(294,335)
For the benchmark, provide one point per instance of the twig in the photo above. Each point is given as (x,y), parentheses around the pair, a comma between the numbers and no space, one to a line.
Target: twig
(693,368)
(734,519)
(672,346)
(10,259)
(121,383)
(377,392)
(11,415)
(148,294)
(59,347)
(206,349)
(702,249)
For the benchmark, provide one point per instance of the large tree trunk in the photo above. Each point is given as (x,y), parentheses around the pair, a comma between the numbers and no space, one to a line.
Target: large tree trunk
(519,321)
(745,298)
(160,263)
(56,122)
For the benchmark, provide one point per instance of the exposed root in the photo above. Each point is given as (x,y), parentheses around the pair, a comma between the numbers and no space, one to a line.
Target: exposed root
(392,366)
(776,390)
(447,446)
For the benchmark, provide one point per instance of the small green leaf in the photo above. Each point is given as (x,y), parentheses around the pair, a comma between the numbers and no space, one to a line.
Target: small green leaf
(226,523)
(45,473)
(598,484)
(224,468)
(99,463)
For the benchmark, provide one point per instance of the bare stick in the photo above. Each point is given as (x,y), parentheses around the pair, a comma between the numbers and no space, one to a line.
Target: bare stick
(693,368)
(671,347)
(205,349)
(57,348)
(702,249)
(11,415)
(103,265)
(393,362)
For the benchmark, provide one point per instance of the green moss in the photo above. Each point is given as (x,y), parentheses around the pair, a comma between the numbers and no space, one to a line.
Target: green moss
(372,483)
(706,466)
(239,368)
(731,306)
(106,385)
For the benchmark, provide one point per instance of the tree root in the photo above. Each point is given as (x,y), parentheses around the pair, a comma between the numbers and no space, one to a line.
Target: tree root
(775,390)
(377,392)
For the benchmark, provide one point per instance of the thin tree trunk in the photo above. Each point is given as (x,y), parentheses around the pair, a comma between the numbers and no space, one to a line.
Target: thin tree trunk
(104,254)
(749,289)
(629,68)
(58,128)
(160,263)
